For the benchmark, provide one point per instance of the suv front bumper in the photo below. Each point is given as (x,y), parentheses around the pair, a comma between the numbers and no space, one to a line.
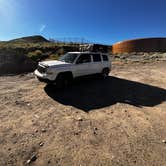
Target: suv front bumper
(43,77)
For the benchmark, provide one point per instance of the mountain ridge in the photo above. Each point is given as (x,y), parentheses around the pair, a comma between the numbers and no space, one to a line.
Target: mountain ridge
(30,39)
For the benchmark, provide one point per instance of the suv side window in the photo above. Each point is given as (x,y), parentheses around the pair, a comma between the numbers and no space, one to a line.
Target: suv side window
(96,58)
(105,57)
(84,58)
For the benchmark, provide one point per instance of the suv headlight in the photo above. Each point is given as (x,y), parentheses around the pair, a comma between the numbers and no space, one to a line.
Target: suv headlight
(41,69)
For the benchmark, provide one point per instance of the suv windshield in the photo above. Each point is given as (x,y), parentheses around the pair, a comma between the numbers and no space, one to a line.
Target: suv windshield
(68,58)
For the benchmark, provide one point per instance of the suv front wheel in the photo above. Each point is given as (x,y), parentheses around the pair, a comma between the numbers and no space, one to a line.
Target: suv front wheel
(64,80)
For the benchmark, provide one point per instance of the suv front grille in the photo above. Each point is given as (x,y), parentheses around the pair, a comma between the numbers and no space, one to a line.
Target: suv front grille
(41,69)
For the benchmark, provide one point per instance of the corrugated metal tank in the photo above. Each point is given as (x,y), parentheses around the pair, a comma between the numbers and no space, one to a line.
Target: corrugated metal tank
(140,45)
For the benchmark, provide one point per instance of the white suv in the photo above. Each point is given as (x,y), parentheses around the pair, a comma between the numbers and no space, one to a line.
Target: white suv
(72,65)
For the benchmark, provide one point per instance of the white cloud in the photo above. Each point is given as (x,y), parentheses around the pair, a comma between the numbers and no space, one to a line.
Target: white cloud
(42,28)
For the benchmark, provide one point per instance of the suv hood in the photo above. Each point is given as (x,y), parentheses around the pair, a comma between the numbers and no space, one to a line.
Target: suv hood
(53,63)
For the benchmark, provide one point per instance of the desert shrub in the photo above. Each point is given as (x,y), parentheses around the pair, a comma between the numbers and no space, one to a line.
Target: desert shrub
(35,55)
(54,56)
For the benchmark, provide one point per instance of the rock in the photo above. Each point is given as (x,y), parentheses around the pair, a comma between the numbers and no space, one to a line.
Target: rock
(36,116)
(28,161)
(16,102)
(36,131)
(76,133)
(9,149)
(33,158)
(94,132)
(95,128)
(43,130)
(41,143)
(80,119)
(164,141)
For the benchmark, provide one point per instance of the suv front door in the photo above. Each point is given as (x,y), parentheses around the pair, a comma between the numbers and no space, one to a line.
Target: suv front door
(83,65)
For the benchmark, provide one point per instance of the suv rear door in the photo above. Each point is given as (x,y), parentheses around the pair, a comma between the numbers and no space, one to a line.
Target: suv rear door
(97,63)
(106,61)
(83,65)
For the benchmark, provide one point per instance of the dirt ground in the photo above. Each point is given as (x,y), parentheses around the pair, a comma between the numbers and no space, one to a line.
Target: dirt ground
(120,121)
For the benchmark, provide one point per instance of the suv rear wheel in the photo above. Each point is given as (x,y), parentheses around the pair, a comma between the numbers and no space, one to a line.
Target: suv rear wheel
(105,73)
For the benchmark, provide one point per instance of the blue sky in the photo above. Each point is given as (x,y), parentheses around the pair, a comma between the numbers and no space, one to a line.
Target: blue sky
(101,21)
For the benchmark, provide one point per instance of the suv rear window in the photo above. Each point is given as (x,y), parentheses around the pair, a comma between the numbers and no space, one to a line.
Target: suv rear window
(96,58)
(84,58)
(105,57)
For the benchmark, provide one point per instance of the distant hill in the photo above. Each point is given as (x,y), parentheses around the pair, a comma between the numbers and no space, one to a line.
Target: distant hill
(23,54)
(30,39)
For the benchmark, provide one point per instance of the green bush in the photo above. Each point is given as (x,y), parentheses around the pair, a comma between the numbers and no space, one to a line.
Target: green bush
(35,55)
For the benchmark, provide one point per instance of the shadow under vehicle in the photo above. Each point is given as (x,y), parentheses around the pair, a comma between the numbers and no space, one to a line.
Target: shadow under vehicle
(88,94)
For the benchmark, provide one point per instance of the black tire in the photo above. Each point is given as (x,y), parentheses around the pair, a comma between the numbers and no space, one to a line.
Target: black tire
(105,73)
(63,80)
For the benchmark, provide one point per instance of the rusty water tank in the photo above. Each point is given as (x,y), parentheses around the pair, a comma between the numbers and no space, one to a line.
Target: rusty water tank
(140,45)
